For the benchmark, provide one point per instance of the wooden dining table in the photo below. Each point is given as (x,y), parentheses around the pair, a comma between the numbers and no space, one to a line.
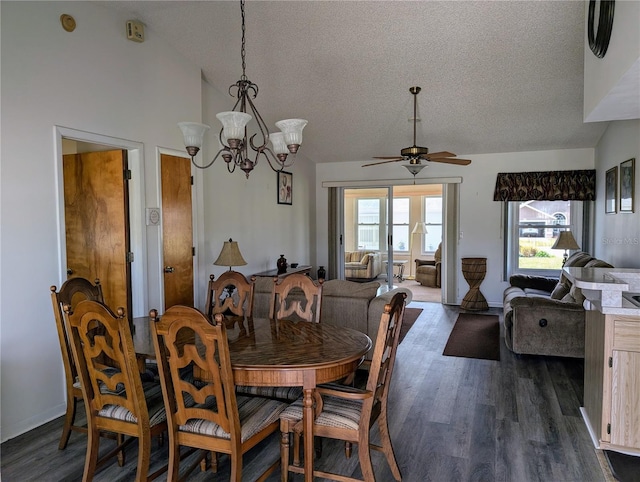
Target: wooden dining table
(278,353)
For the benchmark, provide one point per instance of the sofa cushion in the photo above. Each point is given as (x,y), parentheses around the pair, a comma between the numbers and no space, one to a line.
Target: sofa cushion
(338,287)
(365,258)
(597,263)
(578,259)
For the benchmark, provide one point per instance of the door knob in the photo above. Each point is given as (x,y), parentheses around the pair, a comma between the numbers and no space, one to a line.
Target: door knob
(169,269)
(69,271)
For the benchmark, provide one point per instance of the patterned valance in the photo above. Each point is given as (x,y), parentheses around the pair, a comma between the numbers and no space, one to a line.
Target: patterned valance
(546,186)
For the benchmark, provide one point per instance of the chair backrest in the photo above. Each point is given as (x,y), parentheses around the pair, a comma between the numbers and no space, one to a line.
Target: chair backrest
(71,292)
(384,355)
(96,332)
(184,338)
(296,295)
(230,292)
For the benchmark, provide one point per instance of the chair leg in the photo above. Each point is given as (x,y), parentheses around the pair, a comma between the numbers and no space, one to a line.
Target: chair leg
(348,449)
(91,459)
(174,459)
(120,441)
(387,448)
(144,455)
(236,466)
(364,455)
(69,419)
(284,453)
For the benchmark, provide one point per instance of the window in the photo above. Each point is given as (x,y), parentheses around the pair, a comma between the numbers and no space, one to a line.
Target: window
(433,220)
(532,230)
(368,223)
(401,224)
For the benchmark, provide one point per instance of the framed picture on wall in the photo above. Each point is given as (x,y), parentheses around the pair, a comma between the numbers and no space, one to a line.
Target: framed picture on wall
(627,178)
(285,187)
(611,190)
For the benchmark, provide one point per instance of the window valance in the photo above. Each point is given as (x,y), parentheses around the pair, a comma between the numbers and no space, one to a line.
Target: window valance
(546,186)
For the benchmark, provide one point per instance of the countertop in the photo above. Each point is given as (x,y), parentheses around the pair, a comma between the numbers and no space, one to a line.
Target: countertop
(604,288)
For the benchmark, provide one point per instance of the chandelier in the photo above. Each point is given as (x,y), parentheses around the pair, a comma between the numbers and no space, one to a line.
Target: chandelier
(234,144)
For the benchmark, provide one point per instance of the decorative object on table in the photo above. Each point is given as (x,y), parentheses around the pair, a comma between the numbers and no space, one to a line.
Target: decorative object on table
(294,265)
(281,264)
(565,241)
(322,273)
(627,184)
(233,137)
(230,255)
(610,190)
(421,229)
(285,187)
(474,270)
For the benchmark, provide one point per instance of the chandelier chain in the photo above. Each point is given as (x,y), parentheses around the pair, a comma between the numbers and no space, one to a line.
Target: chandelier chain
(243,49)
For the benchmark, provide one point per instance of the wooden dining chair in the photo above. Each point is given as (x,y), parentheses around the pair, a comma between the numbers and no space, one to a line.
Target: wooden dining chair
(231,293)
(206,416)
(71,292)
(347,413)
(296,296)
(116,400)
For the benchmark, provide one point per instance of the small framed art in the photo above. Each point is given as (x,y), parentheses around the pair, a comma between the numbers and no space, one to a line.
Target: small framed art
(627,181)
(285,187)
(611,190)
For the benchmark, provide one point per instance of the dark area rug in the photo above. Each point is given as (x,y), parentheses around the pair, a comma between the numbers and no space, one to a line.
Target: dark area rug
(410,317)
(625,468)
(474,336)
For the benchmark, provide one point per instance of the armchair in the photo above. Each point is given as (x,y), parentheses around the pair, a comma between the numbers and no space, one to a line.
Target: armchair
(429,271)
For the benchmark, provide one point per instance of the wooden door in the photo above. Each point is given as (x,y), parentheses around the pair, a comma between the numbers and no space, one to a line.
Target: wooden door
(96,209)
(177,230)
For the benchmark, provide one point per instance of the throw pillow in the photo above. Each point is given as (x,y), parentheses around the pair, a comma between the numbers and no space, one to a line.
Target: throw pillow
(560,291)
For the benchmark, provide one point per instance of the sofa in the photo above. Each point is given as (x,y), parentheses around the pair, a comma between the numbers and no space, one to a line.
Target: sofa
(429,271)
(362,265)
(544,315)
(345,303)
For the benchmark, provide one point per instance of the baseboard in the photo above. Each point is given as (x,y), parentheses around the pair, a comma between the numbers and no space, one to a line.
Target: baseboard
(10,430)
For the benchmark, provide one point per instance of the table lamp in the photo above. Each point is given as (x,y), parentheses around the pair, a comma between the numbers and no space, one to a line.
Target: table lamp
(230,255)
(565,241)
(419,228)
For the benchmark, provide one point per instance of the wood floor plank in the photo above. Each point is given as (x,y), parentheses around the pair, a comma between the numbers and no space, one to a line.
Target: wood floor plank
(451,419)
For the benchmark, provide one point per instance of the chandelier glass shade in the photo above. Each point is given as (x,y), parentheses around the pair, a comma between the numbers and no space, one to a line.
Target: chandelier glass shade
(234,141)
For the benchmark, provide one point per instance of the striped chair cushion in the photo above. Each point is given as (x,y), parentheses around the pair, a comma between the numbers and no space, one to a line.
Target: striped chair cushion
(155,406)
(336,412)
(255,414)
(288,394)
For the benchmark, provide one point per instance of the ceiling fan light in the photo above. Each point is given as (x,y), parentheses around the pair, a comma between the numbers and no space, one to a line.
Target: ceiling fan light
(193,133)
(292,130)
(414,168)
(233,124)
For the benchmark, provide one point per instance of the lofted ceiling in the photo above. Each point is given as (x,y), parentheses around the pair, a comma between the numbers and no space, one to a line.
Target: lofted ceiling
(496,76)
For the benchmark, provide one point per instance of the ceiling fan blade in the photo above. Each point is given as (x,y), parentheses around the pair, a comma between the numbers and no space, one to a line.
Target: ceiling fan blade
(440,154)
(387,157)
(383,162)
(460,162)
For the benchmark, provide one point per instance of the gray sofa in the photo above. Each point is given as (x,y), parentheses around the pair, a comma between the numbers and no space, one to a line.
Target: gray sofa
(345,303)
(545,316)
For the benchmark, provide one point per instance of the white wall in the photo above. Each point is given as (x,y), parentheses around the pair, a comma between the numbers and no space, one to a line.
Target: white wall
(617,236)
(95,80)
(480,216)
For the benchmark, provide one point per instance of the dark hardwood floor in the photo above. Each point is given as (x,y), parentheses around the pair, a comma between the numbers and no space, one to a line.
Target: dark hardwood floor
(452,419)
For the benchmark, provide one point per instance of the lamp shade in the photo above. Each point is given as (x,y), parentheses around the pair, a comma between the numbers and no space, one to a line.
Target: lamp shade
(278,143)
(420,228)
(193,133)
(233,123)
(230,255)
(292,130)
(565,240)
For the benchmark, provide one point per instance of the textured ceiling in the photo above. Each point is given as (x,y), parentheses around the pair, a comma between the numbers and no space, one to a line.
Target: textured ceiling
(495,76)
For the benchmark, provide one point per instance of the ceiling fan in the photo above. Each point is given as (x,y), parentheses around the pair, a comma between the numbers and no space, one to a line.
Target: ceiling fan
(416,154)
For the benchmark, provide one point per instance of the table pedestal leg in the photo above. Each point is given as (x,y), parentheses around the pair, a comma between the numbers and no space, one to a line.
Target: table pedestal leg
(307,420)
